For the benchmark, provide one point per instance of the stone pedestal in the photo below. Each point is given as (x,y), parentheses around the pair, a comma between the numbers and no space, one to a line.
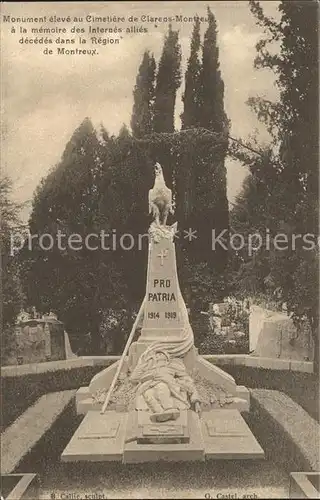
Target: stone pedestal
(170,452)
(165,313)
(171,432)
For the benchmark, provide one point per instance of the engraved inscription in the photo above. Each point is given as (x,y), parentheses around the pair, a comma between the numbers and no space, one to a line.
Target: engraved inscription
(222,429)
(161,283)
(162,255)
(153,315)
(158,430)
(170,315)
(167,315)
(108,433)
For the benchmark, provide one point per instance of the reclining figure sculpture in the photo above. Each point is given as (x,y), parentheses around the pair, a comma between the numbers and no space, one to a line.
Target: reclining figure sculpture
(164,387)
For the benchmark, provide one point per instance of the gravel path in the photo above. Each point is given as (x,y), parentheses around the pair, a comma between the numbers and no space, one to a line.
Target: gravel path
(223,479)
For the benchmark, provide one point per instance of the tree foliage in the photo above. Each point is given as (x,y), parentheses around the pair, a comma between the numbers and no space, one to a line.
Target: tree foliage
(11,290)
(282,194)
(143,97)
(68,202)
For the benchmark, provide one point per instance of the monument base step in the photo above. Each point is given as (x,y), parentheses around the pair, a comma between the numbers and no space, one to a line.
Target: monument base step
(218,434)
(227,436)
(99,438)
(191,451)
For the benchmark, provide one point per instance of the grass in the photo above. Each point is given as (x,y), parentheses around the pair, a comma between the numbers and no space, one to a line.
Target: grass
(285,431)
(21,391)
(165,480)
(303,388)
(21,437)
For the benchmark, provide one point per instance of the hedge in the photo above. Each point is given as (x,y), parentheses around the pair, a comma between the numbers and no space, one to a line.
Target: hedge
(33,427)
(303,388)
(288,435)
(21,391)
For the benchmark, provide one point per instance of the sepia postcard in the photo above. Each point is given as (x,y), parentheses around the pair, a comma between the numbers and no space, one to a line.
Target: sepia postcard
(159,199)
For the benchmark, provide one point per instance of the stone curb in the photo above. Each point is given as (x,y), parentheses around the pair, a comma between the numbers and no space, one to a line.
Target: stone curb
(219,359)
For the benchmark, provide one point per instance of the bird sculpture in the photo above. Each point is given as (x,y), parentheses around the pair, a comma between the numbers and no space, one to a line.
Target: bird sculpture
(160,198)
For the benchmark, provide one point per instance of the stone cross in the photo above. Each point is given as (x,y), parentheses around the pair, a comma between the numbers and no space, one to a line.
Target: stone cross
(162,255)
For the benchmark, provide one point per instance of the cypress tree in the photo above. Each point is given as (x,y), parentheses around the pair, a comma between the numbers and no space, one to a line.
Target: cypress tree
(212,114)
(167,83)
(143,97)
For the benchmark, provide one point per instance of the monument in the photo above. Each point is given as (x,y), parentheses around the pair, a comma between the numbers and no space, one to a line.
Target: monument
(161,400)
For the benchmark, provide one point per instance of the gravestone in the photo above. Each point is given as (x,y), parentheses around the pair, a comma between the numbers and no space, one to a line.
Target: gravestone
(162,380)
(274,335)
(39,340)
